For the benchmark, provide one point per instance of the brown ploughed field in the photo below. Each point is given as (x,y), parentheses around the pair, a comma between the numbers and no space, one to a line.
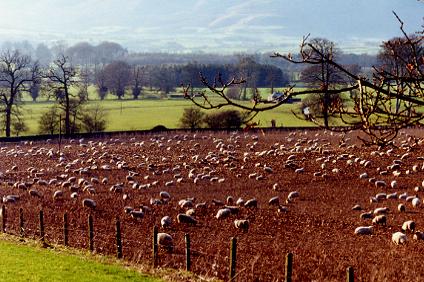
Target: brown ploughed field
(318,226)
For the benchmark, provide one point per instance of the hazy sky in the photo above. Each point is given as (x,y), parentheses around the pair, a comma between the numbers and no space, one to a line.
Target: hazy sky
(209,25)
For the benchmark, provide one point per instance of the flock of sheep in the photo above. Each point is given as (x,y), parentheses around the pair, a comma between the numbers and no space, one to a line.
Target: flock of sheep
(144,173)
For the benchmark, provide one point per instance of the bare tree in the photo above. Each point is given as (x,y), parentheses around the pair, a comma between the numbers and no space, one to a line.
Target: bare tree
(17,72)
(62,76)
(136,81)
(118,74)
(383,105)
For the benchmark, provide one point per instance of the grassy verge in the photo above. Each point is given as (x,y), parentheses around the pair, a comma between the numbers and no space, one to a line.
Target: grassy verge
(30,262)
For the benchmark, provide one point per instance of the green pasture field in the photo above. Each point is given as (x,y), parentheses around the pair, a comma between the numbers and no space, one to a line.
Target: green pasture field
(129,114)
(21,262)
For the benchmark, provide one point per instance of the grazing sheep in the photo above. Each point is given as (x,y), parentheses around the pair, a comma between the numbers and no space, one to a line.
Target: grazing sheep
(137,214)
(356,208)
(74,195)
(185,203)
(89,203)
(217,203)
(164,195)
(165,240)
(274,201)
(166,221)
(380,219)
(223,213)
(10,199)
(399,238)
(183,218)
(292,195)
(418,235)
(401,208)
(364,230)
(366,215)
(416,202)
(128,209)
(190,212)
(230,200)
(252,203)
(378,211)
(58,195)
(35,193)
(240,202)
(282,209)
(242,224)
(394,184)
(392,196)
(408,226)
(380,184)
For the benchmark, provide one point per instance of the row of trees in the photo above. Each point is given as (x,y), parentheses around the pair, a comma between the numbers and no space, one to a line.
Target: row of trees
(20,74)
(118,76)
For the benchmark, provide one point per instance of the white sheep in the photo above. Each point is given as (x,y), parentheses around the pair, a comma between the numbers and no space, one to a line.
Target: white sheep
(408,226)
(89,203)
(137,214)
(165,240)
(183,218)
(380,219)
(274,201)
(401,208)
(242,224)
(378,211)
(416,202)
(418,235)
(394,184)
(223,213)
(166,221)
(364,230)
(399,238)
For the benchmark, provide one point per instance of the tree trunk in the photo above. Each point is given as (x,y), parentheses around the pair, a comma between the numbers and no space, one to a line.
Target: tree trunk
(67,114)
(8,119)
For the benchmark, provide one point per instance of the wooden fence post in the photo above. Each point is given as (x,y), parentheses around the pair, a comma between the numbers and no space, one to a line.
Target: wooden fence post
(188,259)
(233,258)
(3,219)
(65,229)
(289,267)
(21,222)
(155,246)
(118,239)
(41,225)
(349,274)
(90,233)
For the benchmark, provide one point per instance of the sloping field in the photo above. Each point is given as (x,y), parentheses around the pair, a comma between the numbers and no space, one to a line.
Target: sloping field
(318,226)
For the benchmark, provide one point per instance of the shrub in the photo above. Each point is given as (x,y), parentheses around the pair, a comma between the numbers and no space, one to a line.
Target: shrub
(93,119)
(224,119)
(49,121)
(192,118)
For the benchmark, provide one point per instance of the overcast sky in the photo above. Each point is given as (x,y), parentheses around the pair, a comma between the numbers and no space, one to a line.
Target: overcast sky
(209,25)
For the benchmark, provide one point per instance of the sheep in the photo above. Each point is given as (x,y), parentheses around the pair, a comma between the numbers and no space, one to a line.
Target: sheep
(399,238)
(394,184)
(418,235)
(356,208)
(282,209)
(166,221)
(364,230)
(10,199)
(408,226)
(74,195)
(230,200)
(128,209)
(89,203)
(165,195)
(401,208)
(183,218)
(35,193)
(292,195)
(380,219)
(252,203)
(378,211)
(185,203)
(242,224)
(366,215)
(190,212)
(274,201)
(380,184)
(137,214)
(58,195)
(165,240)
(416,202)
(223,213)
(240,202)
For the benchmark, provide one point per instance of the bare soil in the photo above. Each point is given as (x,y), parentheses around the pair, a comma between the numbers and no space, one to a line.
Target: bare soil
(318,227)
